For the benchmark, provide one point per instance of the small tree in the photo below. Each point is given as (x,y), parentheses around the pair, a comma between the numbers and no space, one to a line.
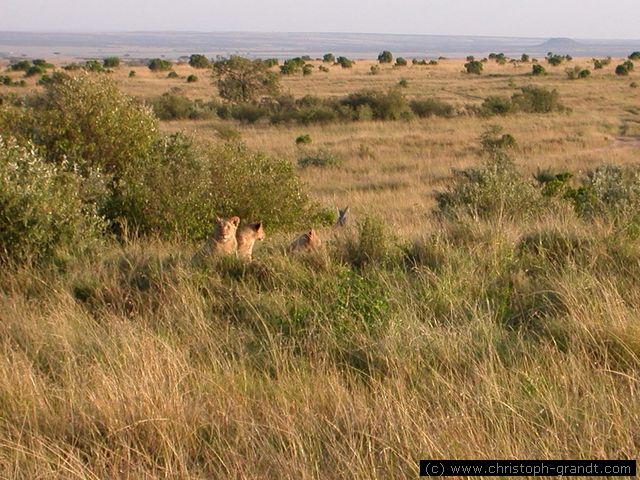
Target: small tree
(160,65)
(385,57)
(401,62)
(344,62)
(329,58)
(243,80)
(634,56)
(538,69)
(524,58)
(474,67)
(198,60)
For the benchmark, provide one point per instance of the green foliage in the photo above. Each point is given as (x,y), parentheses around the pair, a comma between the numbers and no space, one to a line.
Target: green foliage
(554,184)
(292,66)
(328,58)
(42,209)
(35,70)
(634,56)
(555,59)
(385,57)
(307,70)
(496,105)
(303,139)
(322,68)
(173,107)
(600,63)
(321,158)
(94,66)
(173,74)
(374,69)
(624,68)
(401,62)
(372,246)
(132,73)
(344,62)
(111,62)
(534,99)
(22,65)
(474,67)
(577,72)
(160,65)
(403,83)
(391,105)
(241,80)
(430,107)
(525,58)
(197,60)
(537,70)
(192,78)
(271,62)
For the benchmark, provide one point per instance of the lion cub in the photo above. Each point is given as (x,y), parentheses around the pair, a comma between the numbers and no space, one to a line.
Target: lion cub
(247,236)
(307,241)
(223,241)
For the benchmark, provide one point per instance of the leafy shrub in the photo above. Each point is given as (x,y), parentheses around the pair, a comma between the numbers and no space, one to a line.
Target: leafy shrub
(198,60)
(553,184)
(598,64)
(611,192)
(111,62)
(249,112)
(373,244)
(132,73)
(577,72)
(401,62)
(173,74)
(292,66)
(374,70)
(433,62)
(344,62)
(633,85)
(321,158)
(271,62)
(385,57)
(22,65)
(171,107)
(624,68)
(496,105)
(242,80)
(403,83)
(429,107)
(534,99)
(384,106)
(537,70)
(192,78)
(634,56)
(35,70)
(555,59)
(159,65)
(524,58)
(72,67)
(93,66)
(307,70)
(303,139)
(328,58)
(322,68)
(474,67)
(494,142)
(41,206)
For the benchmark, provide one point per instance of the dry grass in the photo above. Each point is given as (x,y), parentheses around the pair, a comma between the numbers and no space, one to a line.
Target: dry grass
(136,364)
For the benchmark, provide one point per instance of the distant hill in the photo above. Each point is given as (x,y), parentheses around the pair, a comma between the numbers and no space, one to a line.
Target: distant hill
(558,44)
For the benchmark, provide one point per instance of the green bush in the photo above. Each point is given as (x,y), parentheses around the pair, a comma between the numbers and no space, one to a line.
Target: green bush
(192,78)
(42,209)
(374,69)
(322,68)
(132,73)
(292,66)
(524,58)
(385,57)
(93,66)
(303,139)
(159,65)
(197,60)
(534,99)
(111,62)
(307,70)
(242,80)
(321,158)
(577,72)
(391,105)
(171,107)
(537,70)
(431,107)
(403,83)
(496,105)
(401,62)
(328,58)
(344,62)
(555,59)
(22,65)
(173,74)
(35,70)
(373,245)
(624,68)
(598,64)
(634,56)
(474,67)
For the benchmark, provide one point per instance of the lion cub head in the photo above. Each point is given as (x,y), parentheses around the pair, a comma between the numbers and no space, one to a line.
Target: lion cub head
(247,237)
(307,241)
(225,229)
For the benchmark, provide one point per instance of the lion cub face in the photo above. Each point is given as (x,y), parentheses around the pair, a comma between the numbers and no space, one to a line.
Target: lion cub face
(226,229)
(307,241)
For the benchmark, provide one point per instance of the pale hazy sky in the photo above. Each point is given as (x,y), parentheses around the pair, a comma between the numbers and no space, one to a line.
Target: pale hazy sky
(616,19)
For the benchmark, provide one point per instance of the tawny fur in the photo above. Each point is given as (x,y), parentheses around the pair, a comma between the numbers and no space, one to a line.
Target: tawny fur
(307,241)
(223,241)
(247,236)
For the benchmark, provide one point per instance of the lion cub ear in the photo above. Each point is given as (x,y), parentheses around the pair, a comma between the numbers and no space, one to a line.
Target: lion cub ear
(218,220)
(257,226)
(235,220)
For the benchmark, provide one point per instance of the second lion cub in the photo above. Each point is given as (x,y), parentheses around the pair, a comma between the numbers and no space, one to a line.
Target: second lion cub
(247,236)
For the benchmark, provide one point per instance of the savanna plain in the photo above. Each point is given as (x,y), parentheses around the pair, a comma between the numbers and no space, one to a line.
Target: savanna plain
(481,301)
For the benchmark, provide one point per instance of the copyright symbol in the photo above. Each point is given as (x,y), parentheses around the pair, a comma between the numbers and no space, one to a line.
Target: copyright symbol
(434,469)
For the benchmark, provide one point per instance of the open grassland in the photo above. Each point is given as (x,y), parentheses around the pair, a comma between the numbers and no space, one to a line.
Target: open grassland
(506,327)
